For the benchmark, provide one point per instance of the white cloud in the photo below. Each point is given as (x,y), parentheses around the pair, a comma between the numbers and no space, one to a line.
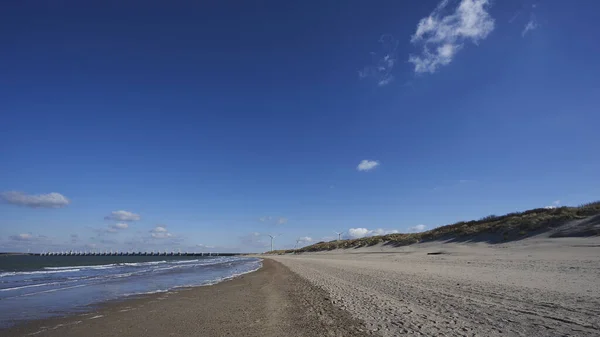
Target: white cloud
(442,36)
(530,26)
(160,232)
(203,246)
(159,229)
(120,225)
(367,165)
(162,235)
(417,228)
(356,233)
(305,239)
(555,204)
(380,70)
(23,237)
(122,216)
(50,200)
(282,221)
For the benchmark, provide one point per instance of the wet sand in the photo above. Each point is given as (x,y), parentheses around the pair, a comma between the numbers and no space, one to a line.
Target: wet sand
(272,301)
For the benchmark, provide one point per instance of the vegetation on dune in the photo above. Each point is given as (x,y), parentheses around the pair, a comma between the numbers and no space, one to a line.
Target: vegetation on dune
(492,228)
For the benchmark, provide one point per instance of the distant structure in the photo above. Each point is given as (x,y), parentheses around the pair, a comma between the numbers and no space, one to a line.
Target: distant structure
(117,253)
(273,237)
(339,234)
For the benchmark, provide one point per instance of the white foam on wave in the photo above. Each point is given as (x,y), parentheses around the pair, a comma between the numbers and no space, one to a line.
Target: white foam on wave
(46,291)
(185,261)
(18,273)
(99,266)
(137,264)
(225,278)
(147,292)
(108,266)
(30,286)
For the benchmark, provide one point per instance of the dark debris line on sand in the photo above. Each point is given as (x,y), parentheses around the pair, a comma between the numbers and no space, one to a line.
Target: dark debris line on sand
(272,301)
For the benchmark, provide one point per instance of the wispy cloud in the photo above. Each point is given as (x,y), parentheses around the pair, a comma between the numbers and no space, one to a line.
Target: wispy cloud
(530,26)
(50,200)
(273,220)
(417,228)
(380,70)
(367,165)
(356,233)
(466,181)
(253,240)
(160,232)
(29,238)
(305,239)
(442,35)
(22,237)
(115,228)
(555,204)
(122,216)
(514,17)
(120,225)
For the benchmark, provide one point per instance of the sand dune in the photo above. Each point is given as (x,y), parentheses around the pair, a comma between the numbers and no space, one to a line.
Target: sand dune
(534,287)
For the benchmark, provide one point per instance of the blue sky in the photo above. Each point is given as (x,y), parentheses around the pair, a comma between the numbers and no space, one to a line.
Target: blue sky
(146,125)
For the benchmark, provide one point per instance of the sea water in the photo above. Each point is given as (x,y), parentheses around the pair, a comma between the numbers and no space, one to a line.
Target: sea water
(34,287)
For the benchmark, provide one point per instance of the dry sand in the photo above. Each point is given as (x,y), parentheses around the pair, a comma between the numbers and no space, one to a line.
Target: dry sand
(271,302)
(535,287)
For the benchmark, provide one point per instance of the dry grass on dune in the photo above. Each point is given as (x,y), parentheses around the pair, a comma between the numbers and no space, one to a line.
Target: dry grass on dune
(492,229)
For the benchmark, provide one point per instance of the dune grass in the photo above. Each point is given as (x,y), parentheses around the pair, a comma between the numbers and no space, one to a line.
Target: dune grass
(492,228)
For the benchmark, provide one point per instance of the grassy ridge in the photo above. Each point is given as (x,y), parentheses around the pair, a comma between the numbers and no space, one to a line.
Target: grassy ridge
(491,228)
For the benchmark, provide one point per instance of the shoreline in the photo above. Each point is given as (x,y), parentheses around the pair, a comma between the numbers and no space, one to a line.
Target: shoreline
(46,288)
(271,301)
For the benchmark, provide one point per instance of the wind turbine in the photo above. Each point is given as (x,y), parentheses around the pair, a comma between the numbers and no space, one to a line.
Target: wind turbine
(298,240)
(273,237)
(339,234)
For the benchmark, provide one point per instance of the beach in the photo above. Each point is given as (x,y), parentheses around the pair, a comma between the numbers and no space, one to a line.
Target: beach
(545,287)
(272,301)
(533,287)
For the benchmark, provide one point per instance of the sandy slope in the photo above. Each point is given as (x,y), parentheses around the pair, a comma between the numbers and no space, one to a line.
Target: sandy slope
(543,287)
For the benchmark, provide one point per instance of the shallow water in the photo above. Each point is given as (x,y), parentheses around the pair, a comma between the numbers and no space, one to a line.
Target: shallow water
(34,287)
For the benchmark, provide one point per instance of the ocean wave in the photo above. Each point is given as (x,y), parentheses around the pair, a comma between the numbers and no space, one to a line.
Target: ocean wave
(100,266)
(47,291)
(18,273)
(30,286)
(184,261)
(109,266)
(137,264)
(147,292)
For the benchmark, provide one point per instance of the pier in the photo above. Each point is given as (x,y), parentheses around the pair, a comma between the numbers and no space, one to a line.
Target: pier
(120,253)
